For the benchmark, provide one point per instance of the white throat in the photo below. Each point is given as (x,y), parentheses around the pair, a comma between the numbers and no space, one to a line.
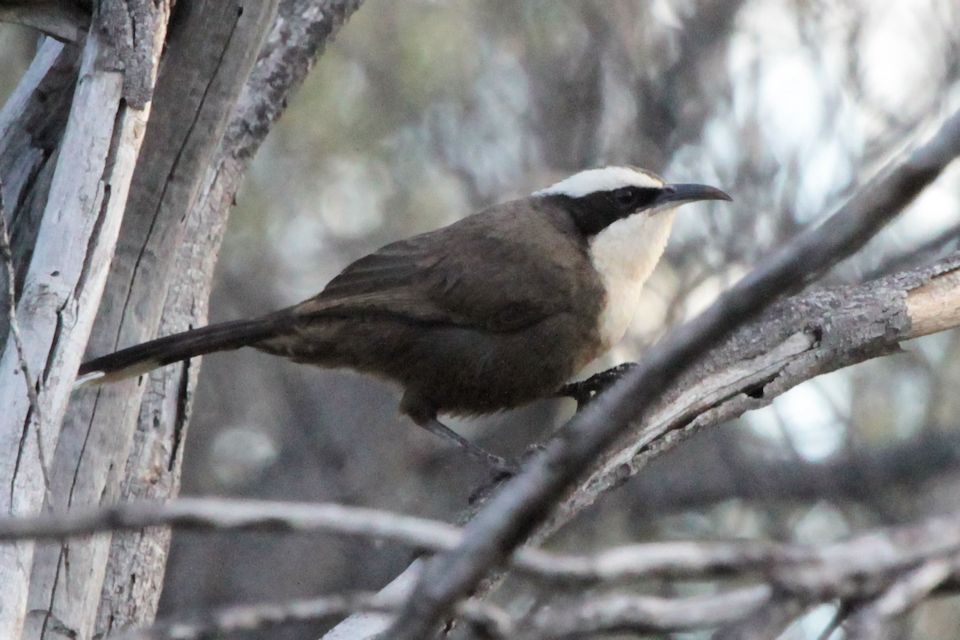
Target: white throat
(625,254)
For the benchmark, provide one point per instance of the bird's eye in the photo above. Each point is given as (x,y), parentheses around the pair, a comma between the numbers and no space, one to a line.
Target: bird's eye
(627,197)
(632,198)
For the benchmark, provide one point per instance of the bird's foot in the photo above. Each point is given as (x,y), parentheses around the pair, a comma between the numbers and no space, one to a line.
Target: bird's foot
(501,468)
(585,391)
(532,450)
(485,490)
(489,486)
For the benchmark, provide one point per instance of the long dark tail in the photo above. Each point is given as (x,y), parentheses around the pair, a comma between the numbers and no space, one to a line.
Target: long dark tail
(141,358)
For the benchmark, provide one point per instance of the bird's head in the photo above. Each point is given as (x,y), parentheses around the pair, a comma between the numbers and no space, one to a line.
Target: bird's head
(625,215)
(600,198)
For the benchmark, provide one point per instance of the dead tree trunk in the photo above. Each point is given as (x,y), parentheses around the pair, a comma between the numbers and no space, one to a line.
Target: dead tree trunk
(75,238)
(68,159)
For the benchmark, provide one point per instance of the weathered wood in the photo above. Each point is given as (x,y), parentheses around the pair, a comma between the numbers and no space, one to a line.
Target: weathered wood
(932,306)
(209,54)
(31,126)
(20,147)
(62,287)
(297,37)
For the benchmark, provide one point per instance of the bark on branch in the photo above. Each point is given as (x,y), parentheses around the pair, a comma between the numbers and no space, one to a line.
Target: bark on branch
(796,340)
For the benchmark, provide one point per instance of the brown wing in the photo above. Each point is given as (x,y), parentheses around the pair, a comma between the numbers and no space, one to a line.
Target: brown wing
(476,273)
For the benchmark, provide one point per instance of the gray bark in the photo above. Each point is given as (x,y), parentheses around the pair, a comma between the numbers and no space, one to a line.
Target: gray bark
(210,112)
(70,257)
(136,563)
(31,126)
(207,57)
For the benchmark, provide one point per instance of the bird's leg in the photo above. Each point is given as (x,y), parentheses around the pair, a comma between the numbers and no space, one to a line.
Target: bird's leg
(436,427)
(424,413)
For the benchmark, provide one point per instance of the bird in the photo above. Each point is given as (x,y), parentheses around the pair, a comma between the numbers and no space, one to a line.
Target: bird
(491,312)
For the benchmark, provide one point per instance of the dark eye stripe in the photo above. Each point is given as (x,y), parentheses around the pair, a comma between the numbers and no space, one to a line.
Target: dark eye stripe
(633,198)
(594,212)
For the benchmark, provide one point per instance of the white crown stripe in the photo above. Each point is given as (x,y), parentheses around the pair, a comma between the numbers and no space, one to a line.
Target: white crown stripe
(605,179)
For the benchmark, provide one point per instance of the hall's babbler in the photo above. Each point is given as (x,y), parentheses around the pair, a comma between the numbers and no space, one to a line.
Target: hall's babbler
(488,313)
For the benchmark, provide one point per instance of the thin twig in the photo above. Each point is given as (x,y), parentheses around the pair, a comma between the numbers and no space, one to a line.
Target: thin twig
(224,514)
(6,256)
(838,568)
(917,255)
(647,614)
(893,568)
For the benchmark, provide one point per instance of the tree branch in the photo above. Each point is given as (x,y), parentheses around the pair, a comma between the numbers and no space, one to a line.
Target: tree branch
(525,502)
(893,569)
(801,569)
(646,614)
(798,339)
(222,514)
(947,241)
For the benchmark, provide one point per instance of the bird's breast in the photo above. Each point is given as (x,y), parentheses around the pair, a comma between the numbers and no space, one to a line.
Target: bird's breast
(622,299)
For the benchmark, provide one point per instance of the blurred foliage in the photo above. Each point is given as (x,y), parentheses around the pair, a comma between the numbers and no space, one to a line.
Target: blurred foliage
(425,110)
(16,50)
